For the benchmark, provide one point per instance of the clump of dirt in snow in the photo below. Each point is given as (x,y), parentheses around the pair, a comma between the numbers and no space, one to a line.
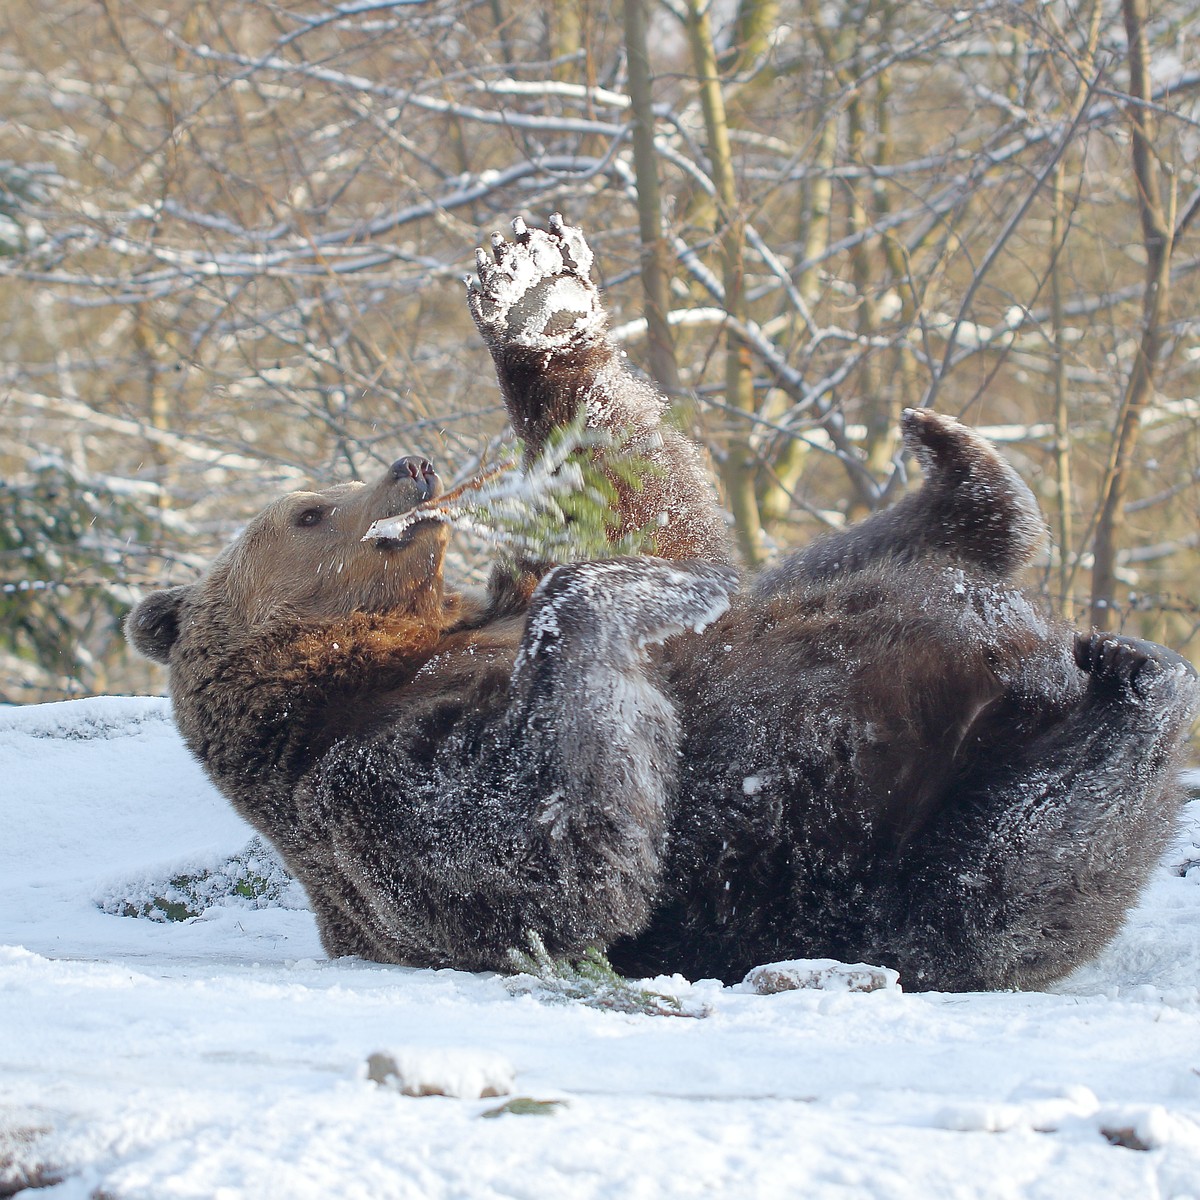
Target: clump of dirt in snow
(463,1074)
(23,1161)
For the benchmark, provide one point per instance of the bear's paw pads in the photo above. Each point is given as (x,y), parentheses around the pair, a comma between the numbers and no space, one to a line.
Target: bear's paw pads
(819,974)
(463,1074)
(1144,668)
(534,291)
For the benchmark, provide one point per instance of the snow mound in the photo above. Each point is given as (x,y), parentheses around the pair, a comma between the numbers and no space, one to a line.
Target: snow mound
(823,974)
(253,878)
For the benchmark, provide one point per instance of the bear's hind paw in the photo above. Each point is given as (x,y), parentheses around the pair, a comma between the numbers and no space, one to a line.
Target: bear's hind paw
(950,451)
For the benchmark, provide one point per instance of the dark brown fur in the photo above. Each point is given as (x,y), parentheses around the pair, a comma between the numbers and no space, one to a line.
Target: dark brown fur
(904,763)
(973,511)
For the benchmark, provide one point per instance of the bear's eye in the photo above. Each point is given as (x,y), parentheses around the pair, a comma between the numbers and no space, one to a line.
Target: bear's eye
(310,517)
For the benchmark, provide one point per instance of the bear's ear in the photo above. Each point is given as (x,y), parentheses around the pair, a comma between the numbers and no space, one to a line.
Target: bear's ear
(153,626)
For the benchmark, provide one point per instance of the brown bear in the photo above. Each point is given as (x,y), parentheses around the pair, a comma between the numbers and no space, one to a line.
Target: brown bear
(882,751)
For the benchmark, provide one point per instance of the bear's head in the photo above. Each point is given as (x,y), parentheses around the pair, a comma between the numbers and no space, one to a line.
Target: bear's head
(305,559)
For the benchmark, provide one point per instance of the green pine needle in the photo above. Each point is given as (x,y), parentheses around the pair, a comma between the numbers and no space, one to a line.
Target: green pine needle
(564,506)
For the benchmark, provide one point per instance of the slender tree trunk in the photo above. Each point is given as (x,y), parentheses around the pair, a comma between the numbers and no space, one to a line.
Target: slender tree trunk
(1060,228)
(655,270)
(739,468)
(566,37)
(501,24)
(815,211)
(903,388)
(756,21)
(876,408)
(1062,412)
(1157,238)
(158,404)
(891,390)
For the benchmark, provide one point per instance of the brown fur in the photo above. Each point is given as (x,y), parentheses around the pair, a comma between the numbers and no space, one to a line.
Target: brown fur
(548,381)
(973,510)
(278,567)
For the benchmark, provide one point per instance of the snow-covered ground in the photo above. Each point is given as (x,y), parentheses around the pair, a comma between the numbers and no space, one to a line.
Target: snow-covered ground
(223,1056)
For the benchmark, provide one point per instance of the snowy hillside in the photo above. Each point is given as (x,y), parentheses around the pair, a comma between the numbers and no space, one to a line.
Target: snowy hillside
(221,1055)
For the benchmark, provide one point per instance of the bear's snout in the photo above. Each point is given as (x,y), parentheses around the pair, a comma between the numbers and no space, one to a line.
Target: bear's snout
(421,471)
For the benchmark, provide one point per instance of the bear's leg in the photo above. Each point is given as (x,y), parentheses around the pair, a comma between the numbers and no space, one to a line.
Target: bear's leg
(1032,864)
(589,714)
(972,510)
(540,316)
(584,655)
(542,319)
(332,897)
(550,817)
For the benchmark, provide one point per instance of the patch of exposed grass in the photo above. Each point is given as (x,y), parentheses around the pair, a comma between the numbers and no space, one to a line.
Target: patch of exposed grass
(252,878)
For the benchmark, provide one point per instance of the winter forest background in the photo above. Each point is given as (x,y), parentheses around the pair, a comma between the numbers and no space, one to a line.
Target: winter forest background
(233,232)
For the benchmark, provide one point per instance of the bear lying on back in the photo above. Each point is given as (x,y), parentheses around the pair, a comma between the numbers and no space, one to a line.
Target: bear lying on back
(881,752)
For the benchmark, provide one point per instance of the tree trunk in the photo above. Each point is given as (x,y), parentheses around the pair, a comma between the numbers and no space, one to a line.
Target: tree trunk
(566,38)
(655,271)
(1157,238)
(1062,415)
(739,468)
(1060,228)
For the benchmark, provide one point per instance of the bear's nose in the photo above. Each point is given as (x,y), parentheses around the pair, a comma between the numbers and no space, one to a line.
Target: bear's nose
(421,470)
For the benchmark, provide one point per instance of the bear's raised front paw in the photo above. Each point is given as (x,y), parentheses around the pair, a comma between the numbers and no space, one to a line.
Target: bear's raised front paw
(534,291)
(1145,668)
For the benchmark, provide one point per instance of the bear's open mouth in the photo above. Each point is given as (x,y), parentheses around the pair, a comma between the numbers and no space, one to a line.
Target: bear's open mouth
(408,535)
